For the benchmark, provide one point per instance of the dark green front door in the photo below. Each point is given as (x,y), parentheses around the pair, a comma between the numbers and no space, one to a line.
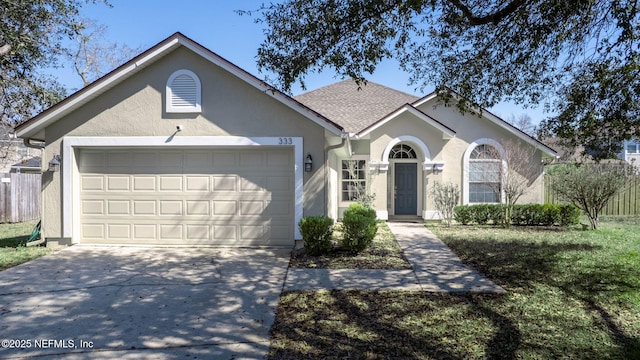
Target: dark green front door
(406,185)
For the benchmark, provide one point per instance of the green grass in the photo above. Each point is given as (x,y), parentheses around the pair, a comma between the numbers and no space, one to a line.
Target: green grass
(383,253)
(12,244)
(571,294)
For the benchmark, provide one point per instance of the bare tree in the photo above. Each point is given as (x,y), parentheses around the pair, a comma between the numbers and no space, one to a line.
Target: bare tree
(446,197)
(94,56)
(524,123)
(590,186)
(518,170)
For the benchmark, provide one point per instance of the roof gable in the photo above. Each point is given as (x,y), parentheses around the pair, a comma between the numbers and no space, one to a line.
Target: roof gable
(355,107)
(447,131)
(486,114)
(33,126)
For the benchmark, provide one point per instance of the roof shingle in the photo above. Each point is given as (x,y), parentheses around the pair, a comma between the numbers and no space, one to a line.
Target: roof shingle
(355,108)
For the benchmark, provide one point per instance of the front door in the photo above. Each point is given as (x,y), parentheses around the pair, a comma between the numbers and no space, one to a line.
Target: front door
(406,188)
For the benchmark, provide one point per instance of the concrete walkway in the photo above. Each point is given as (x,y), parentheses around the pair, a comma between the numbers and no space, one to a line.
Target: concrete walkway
(435,268)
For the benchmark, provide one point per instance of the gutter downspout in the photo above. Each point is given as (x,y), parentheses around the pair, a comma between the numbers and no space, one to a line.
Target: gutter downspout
(345,140)
(28,143)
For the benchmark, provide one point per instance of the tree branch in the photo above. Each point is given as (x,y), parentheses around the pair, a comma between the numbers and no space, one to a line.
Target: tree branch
(4,49)
(494,18)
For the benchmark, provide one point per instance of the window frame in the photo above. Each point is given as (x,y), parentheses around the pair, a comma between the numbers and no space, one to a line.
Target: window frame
(469,179)
(364,160)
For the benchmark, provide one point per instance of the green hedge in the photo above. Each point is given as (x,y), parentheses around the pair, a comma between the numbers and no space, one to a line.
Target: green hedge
(316,233)
(525,214)
(359,227)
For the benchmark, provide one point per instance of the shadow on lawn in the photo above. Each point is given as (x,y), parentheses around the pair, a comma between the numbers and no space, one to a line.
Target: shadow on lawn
(14,241)
(354,324)
(518,264)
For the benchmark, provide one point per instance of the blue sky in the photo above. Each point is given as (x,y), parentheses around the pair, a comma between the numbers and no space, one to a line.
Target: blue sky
(215,25)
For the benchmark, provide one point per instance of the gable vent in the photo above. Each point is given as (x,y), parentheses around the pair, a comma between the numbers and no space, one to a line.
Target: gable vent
(183,92)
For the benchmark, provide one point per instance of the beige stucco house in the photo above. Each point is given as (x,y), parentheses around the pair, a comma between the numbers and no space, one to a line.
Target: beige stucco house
(181,147)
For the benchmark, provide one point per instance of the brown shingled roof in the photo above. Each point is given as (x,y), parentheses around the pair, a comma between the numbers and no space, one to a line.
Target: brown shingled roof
(352,108)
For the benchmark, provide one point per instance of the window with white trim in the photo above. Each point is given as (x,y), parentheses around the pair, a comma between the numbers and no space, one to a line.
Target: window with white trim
(484,175)
(402,151)
(353,179)
(184,93)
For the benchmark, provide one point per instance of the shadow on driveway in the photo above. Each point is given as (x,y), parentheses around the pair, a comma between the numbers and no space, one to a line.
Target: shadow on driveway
(142,302)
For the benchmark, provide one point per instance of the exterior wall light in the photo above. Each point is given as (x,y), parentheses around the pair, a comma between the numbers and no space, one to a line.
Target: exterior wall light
(308,163)
(54,164)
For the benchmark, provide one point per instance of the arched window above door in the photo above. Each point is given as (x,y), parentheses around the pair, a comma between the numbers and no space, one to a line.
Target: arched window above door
(402,151)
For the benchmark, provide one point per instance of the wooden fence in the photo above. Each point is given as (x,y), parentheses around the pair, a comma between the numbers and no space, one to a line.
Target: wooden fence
(19,197)
(625,202)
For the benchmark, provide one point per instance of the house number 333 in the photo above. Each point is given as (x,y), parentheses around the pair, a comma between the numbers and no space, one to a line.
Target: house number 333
(285,141)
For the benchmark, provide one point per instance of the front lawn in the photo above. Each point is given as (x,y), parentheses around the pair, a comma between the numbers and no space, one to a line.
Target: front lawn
(570,294)
(12,244)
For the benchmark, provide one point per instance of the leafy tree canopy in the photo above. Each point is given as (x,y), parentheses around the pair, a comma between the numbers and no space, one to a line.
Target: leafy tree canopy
(31,36)
(580,58)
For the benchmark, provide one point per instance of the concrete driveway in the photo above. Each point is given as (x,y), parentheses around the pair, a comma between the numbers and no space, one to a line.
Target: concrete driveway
(142,303)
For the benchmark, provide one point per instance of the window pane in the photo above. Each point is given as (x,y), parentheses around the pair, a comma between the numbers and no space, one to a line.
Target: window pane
(353,179)
(482,193)
(484,171)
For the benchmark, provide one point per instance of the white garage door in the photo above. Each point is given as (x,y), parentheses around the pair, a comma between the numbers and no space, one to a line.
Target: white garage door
(221,197)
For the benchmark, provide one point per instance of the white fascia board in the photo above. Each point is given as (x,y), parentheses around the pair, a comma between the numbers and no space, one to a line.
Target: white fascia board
(97,89)
(114,78)
(262,86)
(496,120)
(70,197)
(513,130)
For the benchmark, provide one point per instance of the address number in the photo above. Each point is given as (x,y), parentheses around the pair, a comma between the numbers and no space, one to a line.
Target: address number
(285,141)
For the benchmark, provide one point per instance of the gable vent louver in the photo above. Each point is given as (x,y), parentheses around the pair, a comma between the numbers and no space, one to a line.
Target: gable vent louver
(183,92)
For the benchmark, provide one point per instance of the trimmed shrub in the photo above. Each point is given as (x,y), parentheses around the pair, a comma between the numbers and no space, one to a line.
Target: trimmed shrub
(316,233)
(359,227)
(523,214)
(496,213)
(550,214)
(569,214)
(481,214)
(463,214)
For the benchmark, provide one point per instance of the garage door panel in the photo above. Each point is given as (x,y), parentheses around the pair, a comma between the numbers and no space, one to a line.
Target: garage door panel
(144,183)
(170,183)
(171,232)
(198,161)
(253,183)
(119,231)
(145,159)
(252,159)
(118,207)
(145,232)
(118,159)
(171,208)
(92,207)
(144,207)
(198,183)
(93,231)
(92,183)
(225,207)
(225,183)
(198,207)
(197,197)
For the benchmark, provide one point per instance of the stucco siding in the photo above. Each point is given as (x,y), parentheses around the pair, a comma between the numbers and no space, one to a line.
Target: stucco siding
(468,127)
(230,107)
